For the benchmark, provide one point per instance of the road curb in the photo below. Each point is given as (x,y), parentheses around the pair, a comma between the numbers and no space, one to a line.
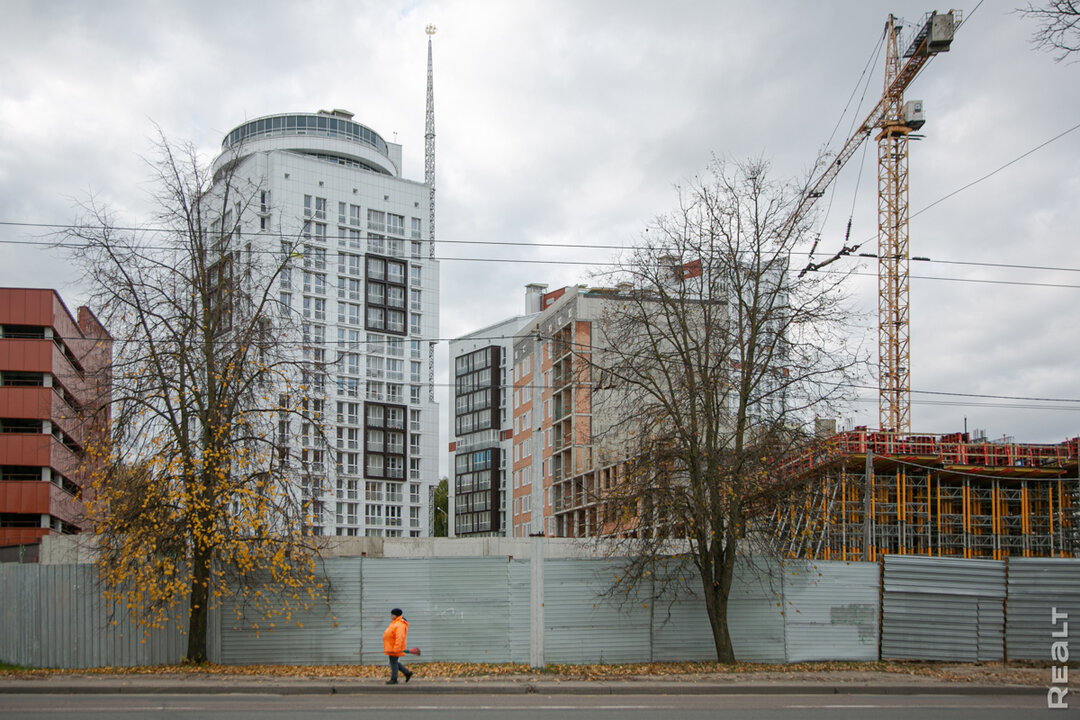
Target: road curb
(483,688)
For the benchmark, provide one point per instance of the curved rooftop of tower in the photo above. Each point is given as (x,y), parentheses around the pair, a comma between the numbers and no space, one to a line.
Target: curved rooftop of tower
(329,135)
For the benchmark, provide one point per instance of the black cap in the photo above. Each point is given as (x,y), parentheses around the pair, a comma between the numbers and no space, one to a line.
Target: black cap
(395,612)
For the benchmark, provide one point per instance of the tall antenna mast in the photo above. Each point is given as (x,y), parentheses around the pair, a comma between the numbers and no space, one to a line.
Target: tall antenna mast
(429,180)
(429,147)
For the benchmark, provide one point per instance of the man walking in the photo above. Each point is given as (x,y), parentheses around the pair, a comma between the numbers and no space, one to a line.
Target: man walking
(394,640)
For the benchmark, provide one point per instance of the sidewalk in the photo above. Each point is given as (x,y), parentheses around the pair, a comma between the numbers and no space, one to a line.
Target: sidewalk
(826,682)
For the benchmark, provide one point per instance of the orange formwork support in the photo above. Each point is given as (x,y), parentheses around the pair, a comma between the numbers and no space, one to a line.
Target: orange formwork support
(942,495)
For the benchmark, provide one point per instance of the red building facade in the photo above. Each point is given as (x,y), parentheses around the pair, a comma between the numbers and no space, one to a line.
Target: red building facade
(54,392)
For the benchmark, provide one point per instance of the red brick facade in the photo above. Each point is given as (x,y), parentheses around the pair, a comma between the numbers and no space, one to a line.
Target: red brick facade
(53,388)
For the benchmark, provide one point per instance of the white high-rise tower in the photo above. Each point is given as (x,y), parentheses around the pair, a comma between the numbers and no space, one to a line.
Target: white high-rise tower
(364,292)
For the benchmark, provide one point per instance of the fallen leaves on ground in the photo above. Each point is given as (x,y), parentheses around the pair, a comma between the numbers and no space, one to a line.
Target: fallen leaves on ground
(687,671)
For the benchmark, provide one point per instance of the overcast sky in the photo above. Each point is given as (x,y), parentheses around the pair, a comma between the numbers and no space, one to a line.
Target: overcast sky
(568,121)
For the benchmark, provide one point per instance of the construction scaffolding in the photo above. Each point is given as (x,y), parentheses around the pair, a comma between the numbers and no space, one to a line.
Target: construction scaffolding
(861,494)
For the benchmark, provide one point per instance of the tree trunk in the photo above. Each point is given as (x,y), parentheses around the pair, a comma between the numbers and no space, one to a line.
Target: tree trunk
(716,604)
(198,618)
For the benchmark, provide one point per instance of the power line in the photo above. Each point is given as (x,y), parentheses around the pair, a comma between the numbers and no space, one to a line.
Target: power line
(956,279)
(976,404)
(850,251)
(591,263)
(995,172)
(508,243)
(584,347)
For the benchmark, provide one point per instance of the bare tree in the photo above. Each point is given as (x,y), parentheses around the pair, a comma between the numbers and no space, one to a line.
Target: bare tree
(197,497)
(1059,26)
(711,359)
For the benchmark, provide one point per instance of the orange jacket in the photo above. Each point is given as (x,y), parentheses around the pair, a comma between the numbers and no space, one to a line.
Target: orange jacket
(394,637)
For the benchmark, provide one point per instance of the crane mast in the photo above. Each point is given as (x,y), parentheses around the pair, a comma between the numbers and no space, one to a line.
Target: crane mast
(894,385)
(895,121)
(894,350)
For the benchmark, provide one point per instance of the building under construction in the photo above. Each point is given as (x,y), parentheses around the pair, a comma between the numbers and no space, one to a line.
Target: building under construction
(869,493)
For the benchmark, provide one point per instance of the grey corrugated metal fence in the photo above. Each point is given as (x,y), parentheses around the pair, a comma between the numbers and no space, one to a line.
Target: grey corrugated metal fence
(479,609)
(942,608)
(1036,587)
(54,616)
(831,611)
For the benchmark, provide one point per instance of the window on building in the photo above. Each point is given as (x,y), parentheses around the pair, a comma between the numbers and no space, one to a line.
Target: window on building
(376,220)
(373,514)
(349,264)
(395,467)
(395,224)
(374,466)
(349,289)
(349,313)
(395,393)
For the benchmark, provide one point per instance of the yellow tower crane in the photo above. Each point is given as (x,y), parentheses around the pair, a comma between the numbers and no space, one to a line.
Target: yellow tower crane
(895,120)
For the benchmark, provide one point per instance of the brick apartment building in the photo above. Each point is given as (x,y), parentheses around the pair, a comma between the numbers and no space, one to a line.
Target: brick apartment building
(557,477)
(54,388)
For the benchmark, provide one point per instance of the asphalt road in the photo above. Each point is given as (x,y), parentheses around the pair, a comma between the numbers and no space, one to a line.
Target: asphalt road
(523,707)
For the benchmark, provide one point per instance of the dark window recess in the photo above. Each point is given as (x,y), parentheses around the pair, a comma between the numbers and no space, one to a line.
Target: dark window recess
(58,525)
(67,397)
(33,332)
(386,291)
(19,425)
(13,378)
(66,440)
(477,492)
(20,473)
(384,440)
(25,520)
(477,391)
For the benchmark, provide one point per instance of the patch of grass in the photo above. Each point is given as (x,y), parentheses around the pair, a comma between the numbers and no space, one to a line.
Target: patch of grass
(7,667)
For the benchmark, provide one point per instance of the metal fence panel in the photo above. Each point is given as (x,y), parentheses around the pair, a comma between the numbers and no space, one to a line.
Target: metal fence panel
(831,610)
(519,585)
(944,576)
(582,625)
(19,616)
(458,608)
(755,614)
(320,634)
(1036,587)
(942,608)
(681,630)
(55,616)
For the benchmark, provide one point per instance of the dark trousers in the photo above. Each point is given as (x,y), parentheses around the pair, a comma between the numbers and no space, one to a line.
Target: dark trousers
(395,665)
